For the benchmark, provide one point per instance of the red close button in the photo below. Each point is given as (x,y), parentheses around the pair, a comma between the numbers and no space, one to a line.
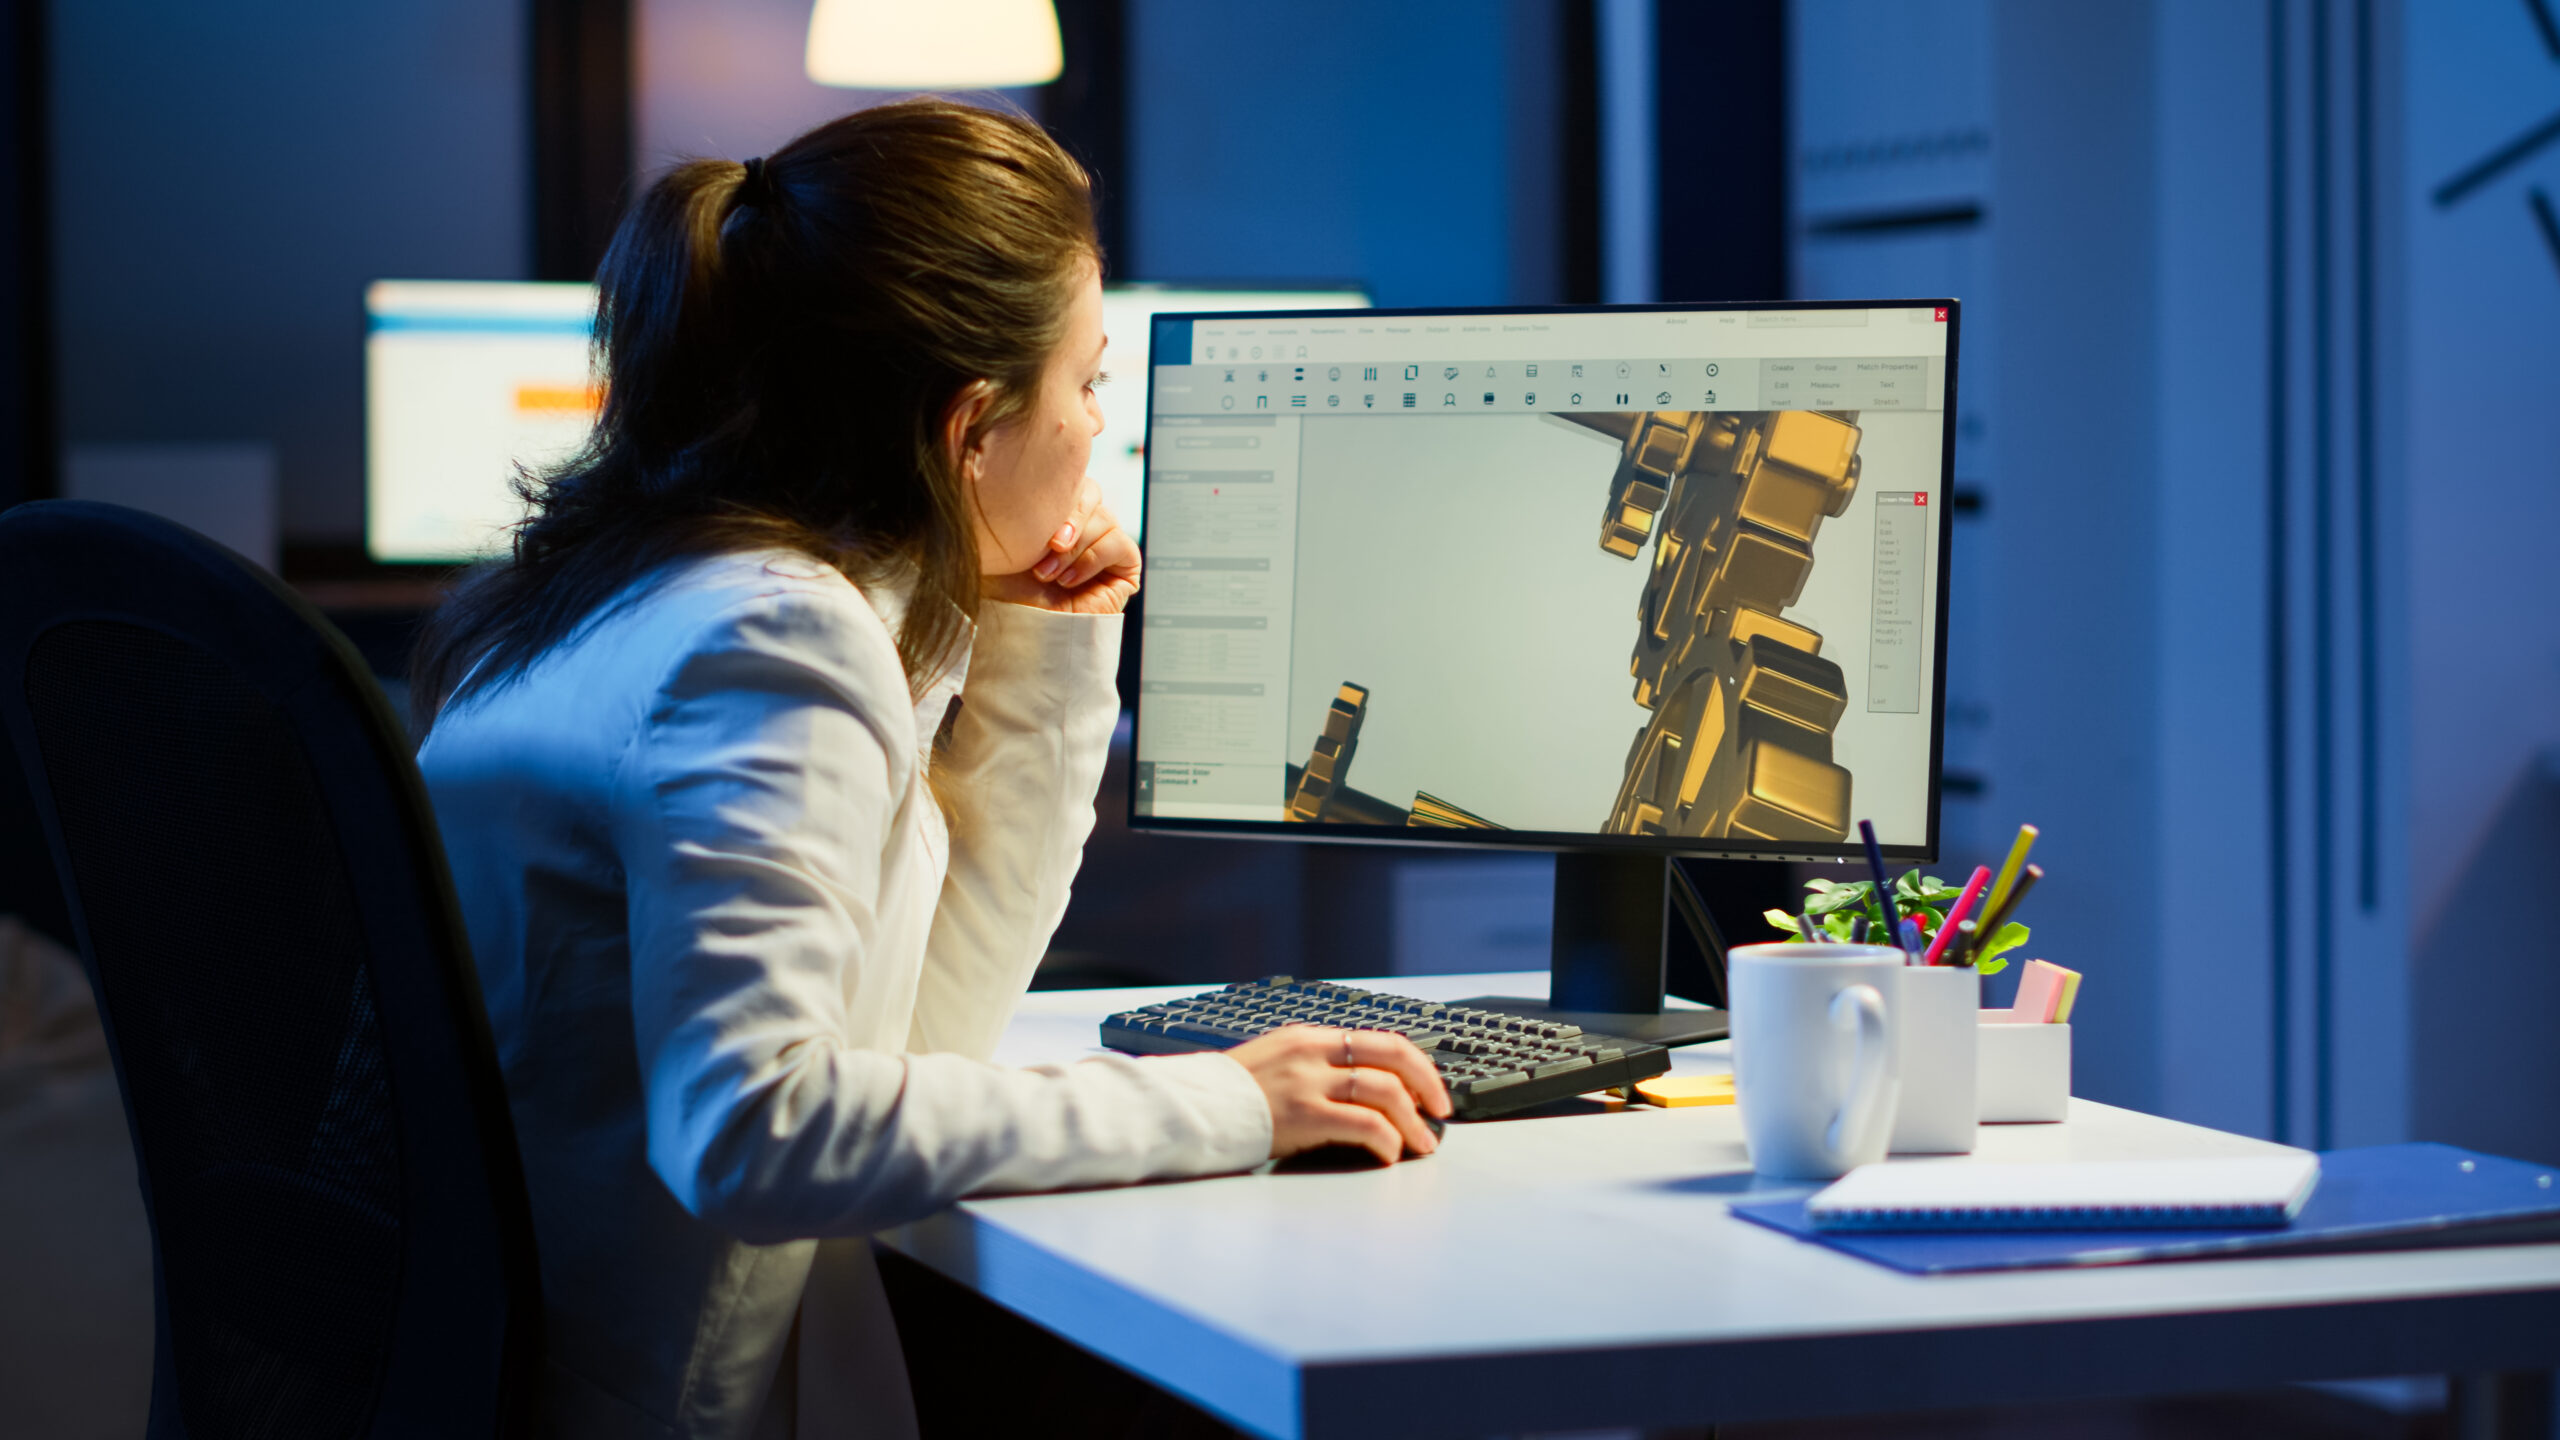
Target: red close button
(1920,498)
(1942,314)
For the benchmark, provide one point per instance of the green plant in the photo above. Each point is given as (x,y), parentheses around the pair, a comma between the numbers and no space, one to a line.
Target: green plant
(1835,908)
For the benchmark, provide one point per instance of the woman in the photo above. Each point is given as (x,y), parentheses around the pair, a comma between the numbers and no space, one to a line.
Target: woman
(766,760)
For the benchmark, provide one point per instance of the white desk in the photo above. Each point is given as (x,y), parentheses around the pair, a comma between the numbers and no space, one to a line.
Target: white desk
(1583,1271)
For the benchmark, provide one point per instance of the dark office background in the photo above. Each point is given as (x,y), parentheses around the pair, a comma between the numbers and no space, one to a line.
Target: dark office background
(2253,610)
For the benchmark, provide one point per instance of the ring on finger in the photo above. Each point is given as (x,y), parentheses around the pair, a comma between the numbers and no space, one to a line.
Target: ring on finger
(1347,1062)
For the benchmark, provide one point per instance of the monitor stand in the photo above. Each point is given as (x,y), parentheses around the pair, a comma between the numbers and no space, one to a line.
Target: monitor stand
(1628,928)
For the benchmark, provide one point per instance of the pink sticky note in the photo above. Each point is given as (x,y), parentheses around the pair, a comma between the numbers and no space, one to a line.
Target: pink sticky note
(2039,994)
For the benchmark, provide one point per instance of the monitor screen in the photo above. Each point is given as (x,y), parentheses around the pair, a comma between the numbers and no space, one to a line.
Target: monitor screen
(465,382)
(1646,577)
(1119,452)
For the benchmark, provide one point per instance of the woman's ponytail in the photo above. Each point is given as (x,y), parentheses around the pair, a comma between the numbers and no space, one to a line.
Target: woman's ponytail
(779,341)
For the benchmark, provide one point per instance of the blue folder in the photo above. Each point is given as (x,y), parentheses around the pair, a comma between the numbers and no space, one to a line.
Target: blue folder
(2381,1197)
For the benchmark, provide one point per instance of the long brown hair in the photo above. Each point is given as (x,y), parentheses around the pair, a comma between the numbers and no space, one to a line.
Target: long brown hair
(779,344)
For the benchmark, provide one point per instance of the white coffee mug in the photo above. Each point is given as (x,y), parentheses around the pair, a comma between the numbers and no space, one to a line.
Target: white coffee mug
(1814,1070)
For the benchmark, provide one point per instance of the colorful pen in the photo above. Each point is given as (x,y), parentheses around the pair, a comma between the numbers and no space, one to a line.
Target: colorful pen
(1858,930)
(1961,952)
(1963,907)
(1884,883)
(1999,916)
(1910,940)
(2009,868)
(1805,928)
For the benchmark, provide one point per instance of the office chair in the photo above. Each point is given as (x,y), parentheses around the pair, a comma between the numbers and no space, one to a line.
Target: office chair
(340,1240)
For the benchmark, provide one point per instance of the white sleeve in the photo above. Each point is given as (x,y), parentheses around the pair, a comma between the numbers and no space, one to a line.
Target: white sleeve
(1025,756)
(751,810)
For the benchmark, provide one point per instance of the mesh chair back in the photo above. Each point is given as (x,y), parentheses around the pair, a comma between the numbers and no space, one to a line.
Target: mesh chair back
(341,1241)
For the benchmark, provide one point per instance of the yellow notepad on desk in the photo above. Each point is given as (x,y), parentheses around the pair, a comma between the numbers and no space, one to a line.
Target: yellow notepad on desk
(1677,1091)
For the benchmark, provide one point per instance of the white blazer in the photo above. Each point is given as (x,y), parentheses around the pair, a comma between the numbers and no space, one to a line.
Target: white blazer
(744,983)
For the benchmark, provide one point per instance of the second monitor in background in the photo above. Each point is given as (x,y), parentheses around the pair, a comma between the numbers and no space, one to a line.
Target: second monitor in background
(1624,583)
(466,382)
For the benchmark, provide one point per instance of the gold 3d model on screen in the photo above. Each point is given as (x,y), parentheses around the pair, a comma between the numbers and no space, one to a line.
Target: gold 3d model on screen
(1742,704)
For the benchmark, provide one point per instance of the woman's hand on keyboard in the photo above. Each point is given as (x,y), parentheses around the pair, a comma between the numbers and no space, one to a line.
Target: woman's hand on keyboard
(1375,1102)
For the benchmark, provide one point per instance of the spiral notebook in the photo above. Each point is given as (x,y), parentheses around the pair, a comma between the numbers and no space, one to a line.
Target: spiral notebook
(2086,1195)
(2380,1197)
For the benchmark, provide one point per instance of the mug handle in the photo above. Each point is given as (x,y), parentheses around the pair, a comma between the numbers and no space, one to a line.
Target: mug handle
(1859,1009)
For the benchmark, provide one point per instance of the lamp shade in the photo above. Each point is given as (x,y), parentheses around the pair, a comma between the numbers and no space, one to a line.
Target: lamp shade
(934,44)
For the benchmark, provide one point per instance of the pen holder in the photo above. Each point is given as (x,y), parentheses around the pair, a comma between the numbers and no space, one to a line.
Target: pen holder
(1936,1044)
(2026,1071)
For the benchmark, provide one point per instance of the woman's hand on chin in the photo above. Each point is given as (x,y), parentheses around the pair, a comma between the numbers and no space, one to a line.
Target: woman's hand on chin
(1090,567)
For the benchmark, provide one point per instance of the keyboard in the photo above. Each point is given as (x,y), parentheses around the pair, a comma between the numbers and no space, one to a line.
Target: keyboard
(1493,1063)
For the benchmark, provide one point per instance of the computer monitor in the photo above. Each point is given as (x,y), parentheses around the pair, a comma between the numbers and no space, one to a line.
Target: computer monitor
(1129,308)
(1624,583)
(466,383)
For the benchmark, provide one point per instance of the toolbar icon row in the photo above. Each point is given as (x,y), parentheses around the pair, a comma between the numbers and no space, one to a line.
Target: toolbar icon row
(1662,400)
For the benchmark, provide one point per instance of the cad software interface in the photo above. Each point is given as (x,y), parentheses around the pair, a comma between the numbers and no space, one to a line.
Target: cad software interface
(1118,465)
(1660,573)
(465,382)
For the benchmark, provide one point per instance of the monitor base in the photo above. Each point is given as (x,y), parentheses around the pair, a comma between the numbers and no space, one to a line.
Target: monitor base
(1668,1026)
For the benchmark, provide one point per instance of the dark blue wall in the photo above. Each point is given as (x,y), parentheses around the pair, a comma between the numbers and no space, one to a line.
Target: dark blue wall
(1412,147)
(227,178)
(2478,416)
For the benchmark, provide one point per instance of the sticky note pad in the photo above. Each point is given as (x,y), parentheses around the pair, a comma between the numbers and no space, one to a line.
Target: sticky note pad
(1679,1090)
(2070,993)
(2039,992)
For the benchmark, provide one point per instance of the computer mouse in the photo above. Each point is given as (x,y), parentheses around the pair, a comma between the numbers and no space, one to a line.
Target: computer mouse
(1325,1159)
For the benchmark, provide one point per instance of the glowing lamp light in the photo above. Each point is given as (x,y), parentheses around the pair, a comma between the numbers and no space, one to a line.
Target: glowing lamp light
(934,44)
